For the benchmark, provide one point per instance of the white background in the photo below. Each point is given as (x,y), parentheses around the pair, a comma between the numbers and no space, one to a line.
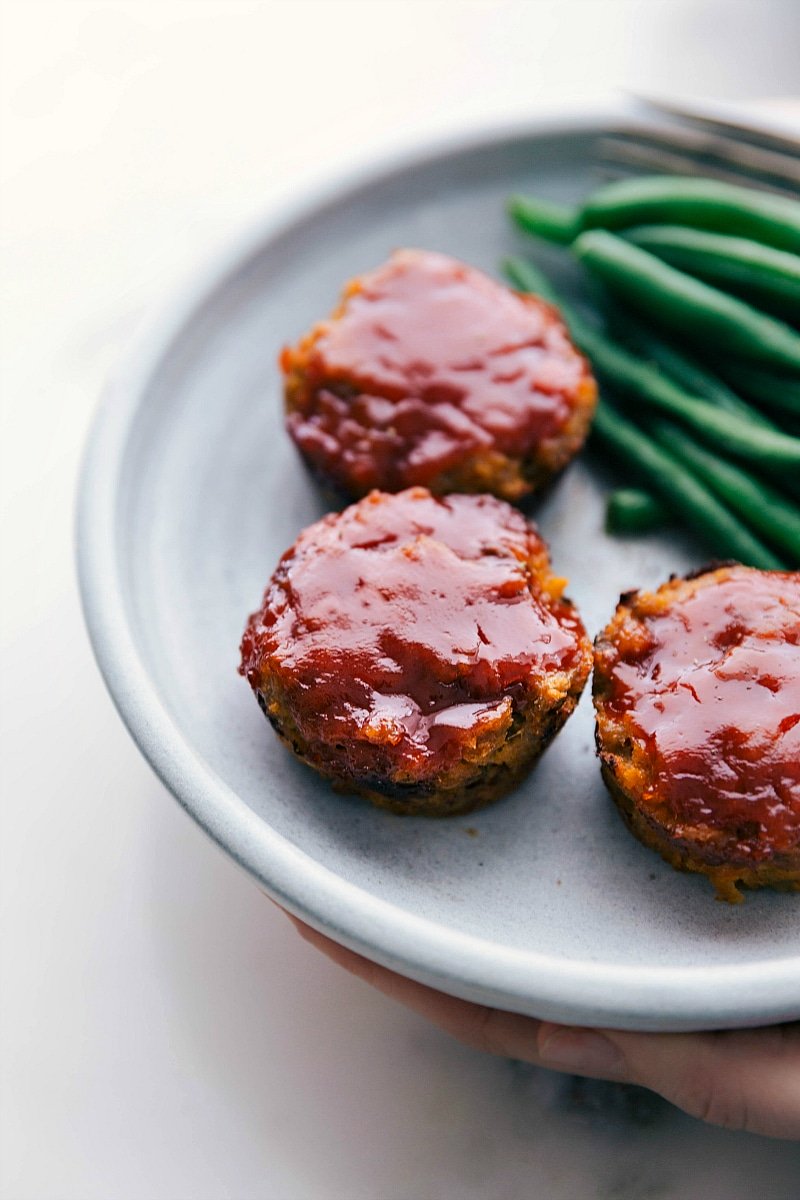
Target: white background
(164,1032)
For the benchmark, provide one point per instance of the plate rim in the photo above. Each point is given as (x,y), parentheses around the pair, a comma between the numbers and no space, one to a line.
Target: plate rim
(579,991)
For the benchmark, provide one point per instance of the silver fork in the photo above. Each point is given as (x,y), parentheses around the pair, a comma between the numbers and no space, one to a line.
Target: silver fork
(702,142)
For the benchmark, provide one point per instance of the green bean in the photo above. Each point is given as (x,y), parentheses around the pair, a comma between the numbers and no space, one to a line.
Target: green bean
(769,278)
(760,506)
(700,203)
(633,510)
(528,278)
(645,383)
(695,378)
(780,394)
(774,391)
(682,490)
(685,370)
(678,487)
(544,219)
(634,377)
(697,311)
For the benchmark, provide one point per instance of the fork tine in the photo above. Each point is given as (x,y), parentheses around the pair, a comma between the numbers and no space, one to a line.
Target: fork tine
(665,157)
(725,151)
(757,135)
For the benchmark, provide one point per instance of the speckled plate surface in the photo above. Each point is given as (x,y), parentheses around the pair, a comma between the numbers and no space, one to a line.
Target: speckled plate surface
(191,491)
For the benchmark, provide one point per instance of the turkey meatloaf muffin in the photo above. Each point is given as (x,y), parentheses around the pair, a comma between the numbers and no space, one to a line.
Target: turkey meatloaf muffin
(417,650)
(697,693)
(430,373)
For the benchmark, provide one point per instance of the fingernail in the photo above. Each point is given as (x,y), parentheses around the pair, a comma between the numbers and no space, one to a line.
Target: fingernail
(581,1050)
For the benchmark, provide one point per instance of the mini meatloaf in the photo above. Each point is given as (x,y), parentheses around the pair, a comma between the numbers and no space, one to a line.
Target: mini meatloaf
(417,650)
(430,373)
(697,692)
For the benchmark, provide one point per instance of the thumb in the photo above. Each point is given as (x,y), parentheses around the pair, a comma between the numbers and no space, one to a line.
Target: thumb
(743,1079)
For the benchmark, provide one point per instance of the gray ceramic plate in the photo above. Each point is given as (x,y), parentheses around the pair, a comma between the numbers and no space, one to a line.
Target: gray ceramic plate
(191,491)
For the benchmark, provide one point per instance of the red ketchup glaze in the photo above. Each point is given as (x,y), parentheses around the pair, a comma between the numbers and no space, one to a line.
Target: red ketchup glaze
(429,361)
(407,623)
(714,692)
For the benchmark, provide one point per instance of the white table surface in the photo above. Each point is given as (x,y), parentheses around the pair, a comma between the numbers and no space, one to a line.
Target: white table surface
(164,1032)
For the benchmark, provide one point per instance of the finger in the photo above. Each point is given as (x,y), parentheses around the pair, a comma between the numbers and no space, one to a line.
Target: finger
(479,1026)
(748,1080)
(740,1080)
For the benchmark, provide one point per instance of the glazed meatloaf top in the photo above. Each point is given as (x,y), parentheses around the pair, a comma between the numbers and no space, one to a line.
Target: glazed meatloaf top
(699,687)
(425,363)
(408,621)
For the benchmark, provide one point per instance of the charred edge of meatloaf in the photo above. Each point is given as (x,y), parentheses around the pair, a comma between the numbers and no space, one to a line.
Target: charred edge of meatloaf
(462,788)
(685,854)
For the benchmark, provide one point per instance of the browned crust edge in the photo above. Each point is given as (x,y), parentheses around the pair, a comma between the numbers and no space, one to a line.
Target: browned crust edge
(454,792)
(684,855)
